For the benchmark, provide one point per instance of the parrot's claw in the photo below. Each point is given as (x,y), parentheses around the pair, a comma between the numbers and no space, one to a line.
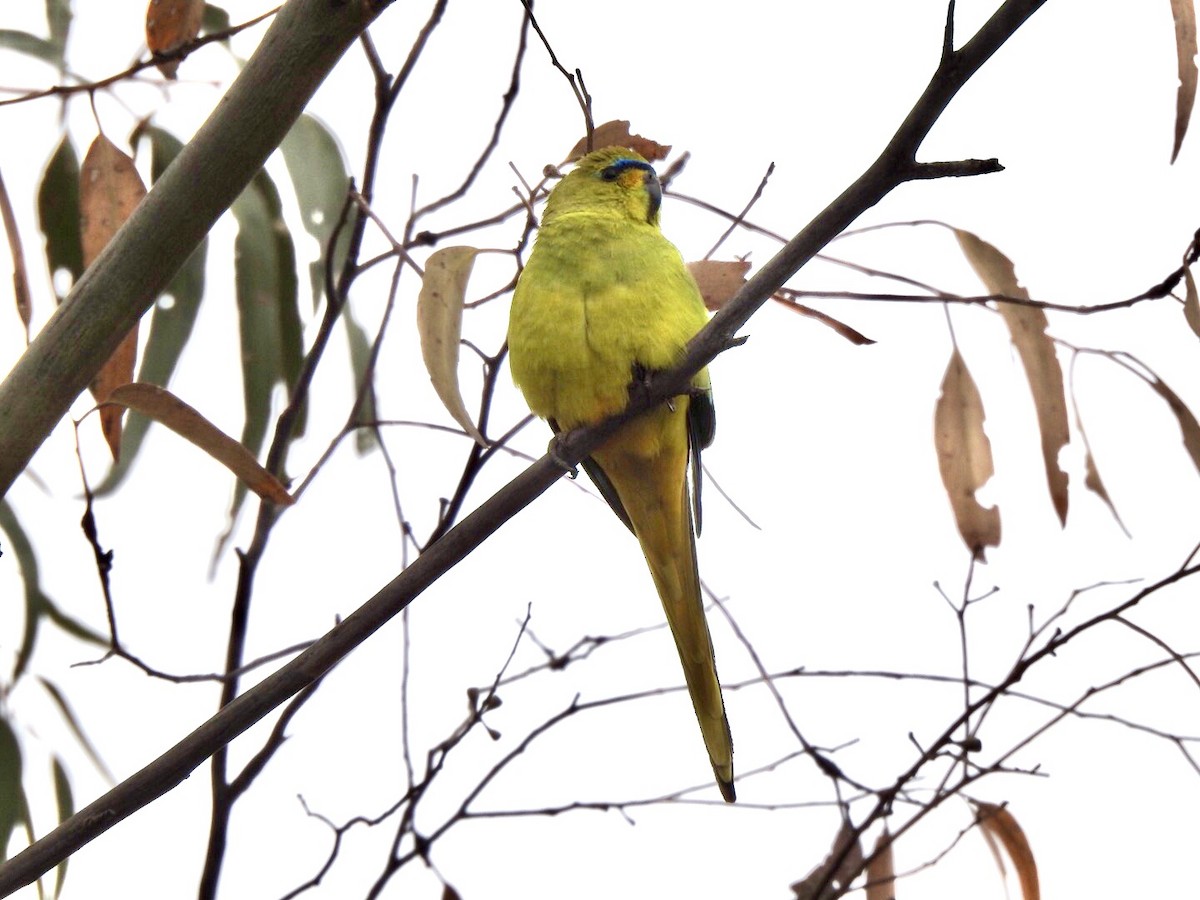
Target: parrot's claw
(552,451)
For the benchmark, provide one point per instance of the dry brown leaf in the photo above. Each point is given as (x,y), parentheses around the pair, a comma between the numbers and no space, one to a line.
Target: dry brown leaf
(853,335)
(965,456)
(109,190)
(718,279)
(1187,422)
(881,871)
(170,24)
(1191,303)
(163,406)
(616,134)
(831,878)
(1000,829)
(439,323)
(1027,325)
(1184,12)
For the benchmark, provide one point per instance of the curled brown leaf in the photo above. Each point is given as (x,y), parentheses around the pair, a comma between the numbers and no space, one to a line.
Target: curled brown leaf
(161,405)
(1001,830)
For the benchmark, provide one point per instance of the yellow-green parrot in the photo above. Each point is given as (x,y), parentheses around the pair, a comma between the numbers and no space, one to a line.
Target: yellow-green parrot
(603,300)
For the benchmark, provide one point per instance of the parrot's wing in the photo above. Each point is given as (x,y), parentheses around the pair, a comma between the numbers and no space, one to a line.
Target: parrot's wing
(603,484)
(702,428)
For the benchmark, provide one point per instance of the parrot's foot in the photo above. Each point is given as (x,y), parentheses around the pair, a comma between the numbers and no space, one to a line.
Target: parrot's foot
(552,452)
(640,383)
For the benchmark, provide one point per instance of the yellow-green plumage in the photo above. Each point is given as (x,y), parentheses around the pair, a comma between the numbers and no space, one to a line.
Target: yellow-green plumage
(603,298)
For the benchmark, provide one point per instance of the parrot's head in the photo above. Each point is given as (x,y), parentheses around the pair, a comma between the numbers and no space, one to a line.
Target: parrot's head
(616,179)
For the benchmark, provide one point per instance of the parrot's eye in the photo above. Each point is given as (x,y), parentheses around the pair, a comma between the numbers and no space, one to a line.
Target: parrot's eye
(612,172)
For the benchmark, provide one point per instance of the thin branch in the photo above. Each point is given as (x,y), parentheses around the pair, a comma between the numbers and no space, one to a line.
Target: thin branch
(179,53)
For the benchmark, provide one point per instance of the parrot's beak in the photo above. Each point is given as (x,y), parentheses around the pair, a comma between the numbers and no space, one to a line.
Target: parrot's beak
(654,190)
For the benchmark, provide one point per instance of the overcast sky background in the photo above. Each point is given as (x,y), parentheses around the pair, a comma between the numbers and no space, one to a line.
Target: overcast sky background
(825,445)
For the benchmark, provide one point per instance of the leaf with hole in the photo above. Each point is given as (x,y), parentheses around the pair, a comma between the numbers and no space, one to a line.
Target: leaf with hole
(1027,325)
(832,878)
(58,217)
(965,456)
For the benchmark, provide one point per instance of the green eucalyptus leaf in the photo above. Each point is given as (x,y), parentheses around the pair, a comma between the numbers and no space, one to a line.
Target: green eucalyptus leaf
(35,600)
(58,213)
(365,439)
(65,802)
(321,178)
(268,314)
(38,605)
(71,625)
(268,318)
(68,714)
(31,45)
(58,17)
(215,19)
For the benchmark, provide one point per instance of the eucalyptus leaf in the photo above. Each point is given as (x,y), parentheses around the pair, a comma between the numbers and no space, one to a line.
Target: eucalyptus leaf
(72,721)
(32,45)
(58,17)
(215,19)
(64,801)
(266,287)
(58,213)
(268,313)
(321,178)
(35,600)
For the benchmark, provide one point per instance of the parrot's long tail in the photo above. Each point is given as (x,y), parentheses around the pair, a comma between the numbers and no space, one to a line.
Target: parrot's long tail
(653,489)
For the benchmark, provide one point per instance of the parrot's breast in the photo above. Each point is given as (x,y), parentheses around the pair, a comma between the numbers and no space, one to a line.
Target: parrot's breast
(594,306)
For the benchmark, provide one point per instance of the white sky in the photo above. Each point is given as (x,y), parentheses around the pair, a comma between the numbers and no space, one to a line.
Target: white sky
(827,446)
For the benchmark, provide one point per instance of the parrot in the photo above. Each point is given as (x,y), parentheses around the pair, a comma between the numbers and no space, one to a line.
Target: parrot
(604,300)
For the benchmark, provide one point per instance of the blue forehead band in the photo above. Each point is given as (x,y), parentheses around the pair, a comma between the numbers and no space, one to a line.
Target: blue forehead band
(613,171)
